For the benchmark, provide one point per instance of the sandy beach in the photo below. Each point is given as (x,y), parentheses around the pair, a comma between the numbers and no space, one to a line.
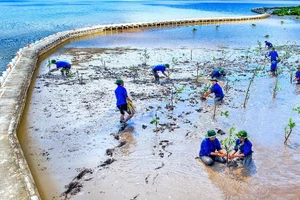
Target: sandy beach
(72,122)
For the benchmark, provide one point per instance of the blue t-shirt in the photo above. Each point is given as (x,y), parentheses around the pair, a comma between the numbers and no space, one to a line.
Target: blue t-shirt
(297,74)
(269,44)
(216,88)
(161,68)
(121,95)
(62,64)
(245,148)
(207,146)
(273,55)
(217,73)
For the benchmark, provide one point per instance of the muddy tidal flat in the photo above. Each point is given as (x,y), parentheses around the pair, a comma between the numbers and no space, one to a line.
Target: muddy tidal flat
(70,137)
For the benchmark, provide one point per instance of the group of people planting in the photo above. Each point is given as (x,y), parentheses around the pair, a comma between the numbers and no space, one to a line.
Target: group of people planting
(210,148)
(274,57)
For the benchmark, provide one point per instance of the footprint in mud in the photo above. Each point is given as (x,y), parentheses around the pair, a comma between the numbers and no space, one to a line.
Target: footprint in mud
(110,152)
(163,144)
(107,162)
(220,132)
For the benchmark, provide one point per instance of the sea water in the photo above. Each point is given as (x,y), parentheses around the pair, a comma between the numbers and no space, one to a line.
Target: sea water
(25,21)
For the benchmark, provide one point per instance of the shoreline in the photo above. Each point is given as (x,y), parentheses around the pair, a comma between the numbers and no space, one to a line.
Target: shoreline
(23,65)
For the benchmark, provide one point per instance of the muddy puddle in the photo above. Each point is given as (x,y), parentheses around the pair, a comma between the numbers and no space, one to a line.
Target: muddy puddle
(69,133)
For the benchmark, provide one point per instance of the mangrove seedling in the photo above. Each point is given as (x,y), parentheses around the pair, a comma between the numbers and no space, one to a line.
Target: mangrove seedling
(175,61)
(79,77)
(276,88)
(145,57)
(229,142)
(175,92)
(259,44)
(226,113)
(194,29)
(281,22)
(226,87)
(297,109)
(267,36)
(134,71)
(155,121)
(217,27)
(247,96)
(102,62)
(247,56)
(197,71)
(288,130)
(253,25)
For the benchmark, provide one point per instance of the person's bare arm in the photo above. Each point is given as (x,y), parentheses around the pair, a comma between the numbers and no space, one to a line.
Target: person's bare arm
(222,153)
(206,94)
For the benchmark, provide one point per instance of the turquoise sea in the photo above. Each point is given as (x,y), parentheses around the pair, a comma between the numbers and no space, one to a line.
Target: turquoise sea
(25,21)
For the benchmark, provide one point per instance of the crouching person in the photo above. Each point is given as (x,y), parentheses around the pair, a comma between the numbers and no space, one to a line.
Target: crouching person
(210,149)
(243,148)
(63,65)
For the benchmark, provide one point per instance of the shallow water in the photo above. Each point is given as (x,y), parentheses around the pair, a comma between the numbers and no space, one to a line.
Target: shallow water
(61,139)
(26,21)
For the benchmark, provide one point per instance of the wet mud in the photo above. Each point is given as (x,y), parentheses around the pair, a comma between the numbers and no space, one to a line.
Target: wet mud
(70,133)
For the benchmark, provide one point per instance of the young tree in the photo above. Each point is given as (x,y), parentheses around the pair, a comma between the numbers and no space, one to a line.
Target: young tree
(288,130)
(229,142)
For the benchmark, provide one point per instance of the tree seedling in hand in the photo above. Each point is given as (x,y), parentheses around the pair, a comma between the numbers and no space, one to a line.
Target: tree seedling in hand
(229,142)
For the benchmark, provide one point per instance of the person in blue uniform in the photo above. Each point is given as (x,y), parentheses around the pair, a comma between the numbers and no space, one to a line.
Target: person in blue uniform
(63,65)
(297,76)
(218,73)
(157,68)
(273,55)
(243,148)
(210,149)
(216,88)
(268,44)
(122,98)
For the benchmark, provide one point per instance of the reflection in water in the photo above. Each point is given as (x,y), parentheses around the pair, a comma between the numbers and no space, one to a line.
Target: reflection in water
(127,136)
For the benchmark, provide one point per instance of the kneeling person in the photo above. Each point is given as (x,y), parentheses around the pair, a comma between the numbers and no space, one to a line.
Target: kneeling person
(210,149)
(243,148)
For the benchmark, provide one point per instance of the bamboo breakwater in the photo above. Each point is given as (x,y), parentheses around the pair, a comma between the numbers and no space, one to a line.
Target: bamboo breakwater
(15,82)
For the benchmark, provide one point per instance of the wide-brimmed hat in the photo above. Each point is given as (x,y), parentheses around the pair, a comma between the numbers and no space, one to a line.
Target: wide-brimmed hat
(211,134)
(242,134)
(167,65)
(119,81)
(53,61)
(214,79)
